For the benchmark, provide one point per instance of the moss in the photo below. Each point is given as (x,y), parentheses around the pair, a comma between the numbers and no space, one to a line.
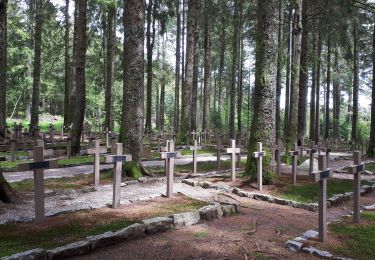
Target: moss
(132,169)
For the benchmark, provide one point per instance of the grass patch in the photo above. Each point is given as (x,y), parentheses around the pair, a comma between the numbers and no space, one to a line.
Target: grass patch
(202,151)
(77,160)
(309,192)
(359,239)
(201,234)
(67,228)
(370,167)
(17,153)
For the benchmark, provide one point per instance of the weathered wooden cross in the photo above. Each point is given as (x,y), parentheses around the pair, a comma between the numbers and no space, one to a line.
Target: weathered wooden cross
(169,157)
(13,144)
(356,170)
(311,152)
(107,133)
(117,160)
(193,134)
(233,151)
(322,176)
(96,151)
(195,148)
(52,133)
(327,152)
(259,157)
(294,154)
(38,167)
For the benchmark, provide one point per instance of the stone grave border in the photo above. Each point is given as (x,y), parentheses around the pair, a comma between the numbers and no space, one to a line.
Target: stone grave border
(335,200)
(135,231)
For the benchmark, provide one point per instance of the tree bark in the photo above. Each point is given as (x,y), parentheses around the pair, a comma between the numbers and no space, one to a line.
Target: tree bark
(37,64)
(336,93)
(163,83)
(303,74)
(288,73)
(240,61)
(3,65)
(279,69)
(133,83)
(80,78)
(67,70)
(263,122)
(150,47)
(317,101)
(194,102)
(221,71)
(187,90)
(177,72)
(207,65)
(233,86)
(371,144)
(73,88)
(355,84)
(294,91)
(111,17)
(328,90)
(313,90)
(7,194)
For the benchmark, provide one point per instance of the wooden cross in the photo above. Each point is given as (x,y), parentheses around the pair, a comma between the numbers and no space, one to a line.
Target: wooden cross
(96,151)
(356,170)
(25,139)
(193,134)
(107,133)
(117,160)
(169,157)
(322,176)
(38,167)
(52,133)
(233,151)
(301,149)
(259,156)
(327,152)
(195,148)
(294,153)
(311,152)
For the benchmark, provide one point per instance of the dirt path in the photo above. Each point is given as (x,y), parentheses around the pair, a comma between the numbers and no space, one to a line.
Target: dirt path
(88,169)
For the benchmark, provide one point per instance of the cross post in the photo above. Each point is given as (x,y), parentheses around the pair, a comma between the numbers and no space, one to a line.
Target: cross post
(169,157)
(38,167)
(233,151)
(259,156)
(294,153)
(13,143)
(357,170)
(117,160)
(96,151)
(311,152)
(322,176)
(195,148)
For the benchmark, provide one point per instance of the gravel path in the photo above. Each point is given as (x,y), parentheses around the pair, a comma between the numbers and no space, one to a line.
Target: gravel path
(67,200)
(88,169)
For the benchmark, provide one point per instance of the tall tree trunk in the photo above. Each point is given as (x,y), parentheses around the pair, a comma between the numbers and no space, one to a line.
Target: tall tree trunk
(288,73)
(240,60)
(233,86)
(3,65)
(194,102)
(7,194)
(80,79)
(303,74)
(328,90)
(73,87)
(371,144)
(187,90)
(313,90)
(183,45)
(177,72)
(336,98)
(279,69)
(221,71)
(111,17)
(67,70)
(317,101)
(294,91)
(37,60)
(133,94)
(150,47)
(207,65)
(163,83)
(355,83)
(263,122)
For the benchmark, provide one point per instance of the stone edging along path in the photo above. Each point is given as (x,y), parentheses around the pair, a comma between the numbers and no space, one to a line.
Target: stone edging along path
(336,199)
(138,230)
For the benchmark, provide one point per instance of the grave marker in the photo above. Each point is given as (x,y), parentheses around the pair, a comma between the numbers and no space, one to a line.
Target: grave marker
(357,170)
(259,156)
(96,151)
(52,133)
(294,153)
(327,152)
(195,148)
(13,143)
(169,157)
(117,159)
(38,167)
(233,151)
(322,176)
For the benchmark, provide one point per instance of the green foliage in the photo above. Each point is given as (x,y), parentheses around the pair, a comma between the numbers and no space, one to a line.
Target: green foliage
(132,169)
